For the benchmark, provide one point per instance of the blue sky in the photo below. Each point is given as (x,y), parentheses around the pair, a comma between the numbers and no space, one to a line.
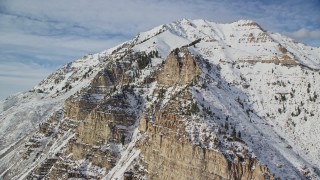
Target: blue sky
(37,37)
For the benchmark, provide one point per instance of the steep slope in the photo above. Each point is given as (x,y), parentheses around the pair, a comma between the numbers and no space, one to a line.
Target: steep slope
(227,101)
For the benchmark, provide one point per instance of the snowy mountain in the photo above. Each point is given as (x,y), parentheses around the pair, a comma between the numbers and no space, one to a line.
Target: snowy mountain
(187,100)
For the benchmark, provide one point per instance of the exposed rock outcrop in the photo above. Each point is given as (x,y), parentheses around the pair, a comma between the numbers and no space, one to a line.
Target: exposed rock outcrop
(180,68)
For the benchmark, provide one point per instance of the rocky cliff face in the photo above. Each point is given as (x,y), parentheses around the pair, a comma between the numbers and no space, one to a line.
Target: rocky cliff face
(187,100)
(167,149)
(170,155)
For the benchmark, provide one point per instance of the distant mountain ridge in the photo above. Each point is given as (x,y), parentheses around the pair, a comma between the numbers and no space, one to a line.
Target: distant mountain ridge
(227,101)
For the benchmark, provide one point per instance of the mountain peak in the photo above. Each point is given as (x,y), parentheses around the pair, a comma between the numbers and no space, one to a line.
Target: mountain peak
(241,22)
(245,21)
(218,100)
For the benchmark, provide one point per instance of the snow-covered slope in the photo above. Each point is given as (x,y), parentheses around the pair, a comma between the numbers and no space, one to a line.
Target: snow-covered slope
(260,83)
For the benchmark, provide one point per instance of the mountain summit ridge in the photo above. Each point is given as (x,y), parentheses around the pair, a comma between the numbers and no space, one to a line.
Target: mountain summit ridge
(236,33)
(228,93)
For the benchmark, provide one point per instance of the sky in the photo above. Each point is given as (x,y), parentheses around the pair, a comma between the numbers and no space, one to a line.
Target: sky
(37,36)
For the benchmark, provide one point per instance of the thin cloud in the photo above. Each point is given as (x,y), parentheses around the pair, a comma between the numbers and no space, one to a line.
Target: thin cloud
(17,77)
(53,50)
(304,33)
